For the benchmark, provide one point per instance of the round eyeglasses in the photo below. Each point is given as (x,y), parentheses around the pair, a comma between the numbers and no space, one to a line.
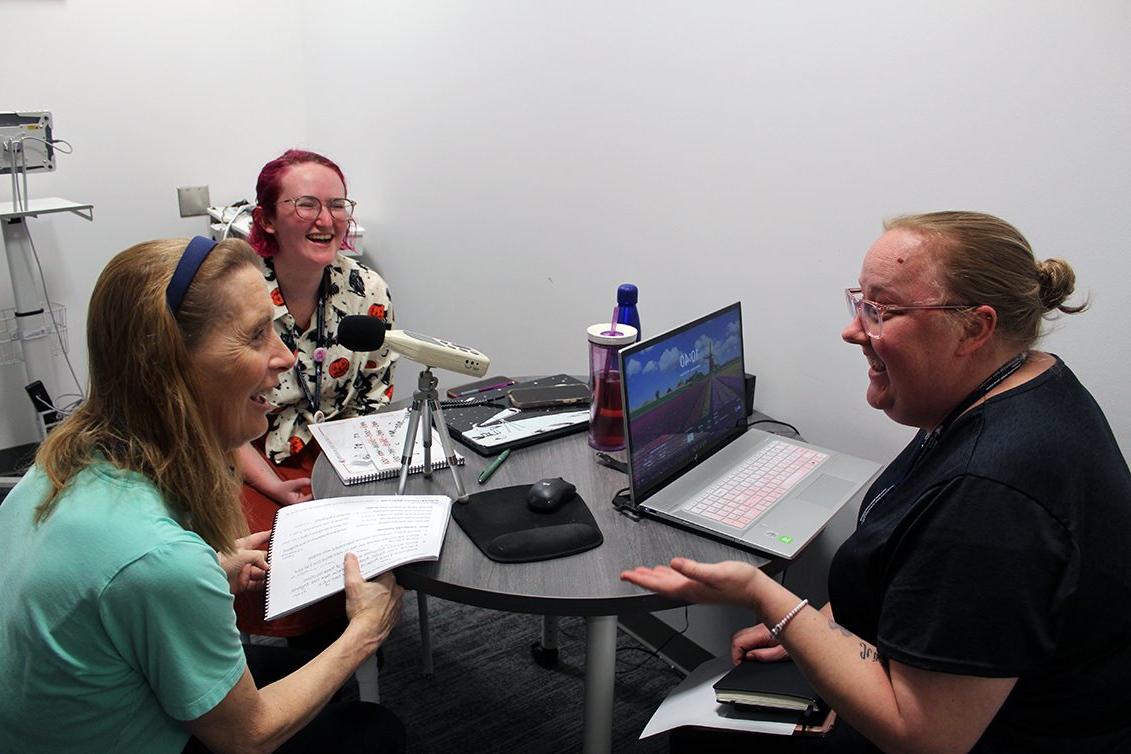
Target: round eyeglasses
(872,314)
(310,207)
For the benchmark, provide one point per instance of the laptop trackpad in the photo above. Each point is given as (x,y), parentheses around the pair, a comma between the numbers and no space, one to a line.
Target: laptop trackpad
(826,490)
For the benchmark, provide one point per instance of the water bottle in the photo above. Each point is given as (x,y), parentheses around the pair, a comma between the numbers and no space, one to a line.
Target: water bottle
(626,307)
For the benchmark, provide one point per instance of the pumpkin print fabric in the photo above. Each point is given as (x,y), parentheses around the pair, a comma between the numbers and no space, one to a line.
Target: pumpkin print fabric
(353,384)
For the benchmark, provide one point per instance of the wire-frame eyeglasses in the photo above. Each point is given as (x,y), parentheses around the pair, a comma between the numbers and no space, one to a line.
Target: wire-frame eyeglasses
(310,207)
(873,314)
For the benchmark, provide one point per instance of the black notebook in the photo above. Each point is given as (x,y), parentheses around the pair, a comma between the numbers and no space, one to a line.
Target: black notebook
(772,685)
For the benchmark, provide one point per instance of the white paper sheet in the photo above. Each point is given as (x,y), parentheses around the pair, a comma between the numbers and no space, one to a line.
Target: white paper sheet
(692,702)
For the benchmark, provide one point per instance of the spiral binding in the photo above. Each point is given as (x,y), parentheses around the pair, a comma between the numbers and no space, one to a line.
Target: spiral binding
(267,585)
(416,468)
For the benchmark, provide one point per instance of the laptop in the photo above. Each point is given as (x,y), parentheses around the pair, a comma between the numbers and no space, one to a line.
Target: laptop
(693,462)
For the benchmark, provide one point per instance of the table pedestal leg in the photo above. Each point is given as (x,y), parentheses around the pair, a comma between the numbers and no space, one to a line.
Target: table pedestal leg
(369,680)
(550,632)
(600,669)
(545,652)
(425,635)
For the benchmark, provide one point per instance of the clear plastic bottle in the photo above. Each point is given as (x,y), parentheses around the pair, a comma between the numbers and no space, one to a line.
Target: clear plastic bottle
(606,411)
(626,307)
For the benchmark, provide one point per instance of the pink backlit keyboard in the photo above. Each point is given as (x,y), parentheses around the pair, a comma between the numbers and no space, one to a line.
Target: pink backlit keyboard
(750,489)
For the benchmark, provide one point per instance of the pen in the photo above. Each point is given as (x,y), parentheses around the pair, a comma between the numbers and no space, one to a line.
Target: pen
(487,472)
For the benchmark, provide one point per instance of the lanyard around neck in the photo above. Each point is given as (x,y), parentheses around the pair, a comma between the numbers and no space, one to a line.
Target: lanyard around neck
(931,439)
(315,400)
(999,376)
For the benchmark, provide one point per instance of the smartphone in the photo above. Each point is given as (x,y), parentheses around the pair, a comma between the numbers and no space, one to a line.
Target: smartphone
(482,386)
(549,395)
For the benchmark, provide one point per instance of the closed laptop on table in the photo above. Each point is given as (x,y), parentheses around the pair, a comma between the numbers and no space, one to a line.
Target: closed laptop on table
(693,462)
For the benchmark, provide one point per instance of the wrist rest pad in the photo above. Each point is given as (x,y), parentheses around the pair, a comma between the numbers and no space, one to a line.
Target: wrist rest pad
(506,531)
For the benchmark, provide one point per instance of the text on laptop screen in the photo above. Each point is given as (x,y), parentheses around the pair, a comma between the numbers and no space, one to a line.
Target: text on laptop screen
(684,396)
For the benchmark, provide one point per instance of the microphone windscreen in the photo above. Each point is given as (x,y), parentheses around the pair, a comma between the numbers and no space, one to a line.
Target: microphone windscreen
(358,332)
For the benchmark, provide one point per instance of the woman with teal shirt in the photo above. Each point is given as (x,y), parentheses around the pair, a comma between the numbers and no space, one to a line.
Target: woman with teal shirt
(121,549)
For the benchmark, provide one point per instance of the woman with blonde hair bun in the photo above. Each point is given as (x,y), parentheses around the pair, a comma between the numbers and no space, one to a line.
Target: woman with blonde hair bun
(980,605)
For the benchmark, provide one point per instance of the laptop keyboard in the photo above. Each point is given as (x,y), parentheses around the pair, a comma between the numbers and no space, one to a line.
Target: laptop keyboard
(750,489)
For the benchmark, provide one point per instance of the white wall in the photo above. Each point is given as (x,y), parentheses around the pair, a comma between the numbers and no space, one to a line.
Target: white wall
(151,96)
(514,161)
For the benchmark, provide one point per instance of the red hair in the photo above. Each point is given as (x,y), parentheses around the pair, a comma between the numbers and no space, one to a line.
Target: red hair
(267,190)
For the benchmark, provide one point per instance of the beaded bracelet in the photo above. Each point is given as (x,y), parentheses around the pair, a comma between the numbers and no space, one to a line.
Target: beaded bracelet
(776,630)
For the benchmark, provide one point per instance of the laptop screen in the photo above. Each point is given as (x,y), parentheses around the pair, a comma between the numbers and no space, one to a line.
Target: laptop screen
(684,398)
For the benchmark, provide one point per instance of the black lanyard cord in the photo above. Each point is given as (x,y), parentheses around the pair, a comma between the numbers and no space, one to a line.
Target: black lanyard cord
(315,400)
(931,439)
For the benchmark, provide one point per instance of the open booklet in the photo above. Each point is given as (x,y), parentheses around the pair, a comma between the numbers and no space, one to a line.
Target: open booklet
(310,540)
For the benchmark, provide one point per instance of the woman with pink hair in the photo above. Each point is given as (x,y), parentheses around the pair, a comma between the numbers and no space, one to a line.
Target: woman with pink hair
(300,227)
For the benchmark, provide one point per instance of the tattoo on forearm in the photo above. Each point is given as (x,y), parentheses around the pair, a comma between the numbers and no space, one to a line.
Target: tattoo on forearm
(868,652)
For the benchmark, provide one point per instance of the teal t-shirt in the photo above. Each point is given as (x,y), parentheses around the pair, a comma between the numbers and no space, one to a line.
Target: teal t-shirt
(115,621)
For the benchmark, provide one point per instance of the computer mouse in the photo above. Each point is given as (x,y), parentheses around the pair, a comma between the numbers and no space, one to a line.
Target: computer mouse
(547,495)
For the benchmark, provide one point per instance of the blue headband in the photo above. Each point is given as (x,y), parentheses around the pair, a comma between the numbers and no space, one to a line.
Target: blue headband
(195,254)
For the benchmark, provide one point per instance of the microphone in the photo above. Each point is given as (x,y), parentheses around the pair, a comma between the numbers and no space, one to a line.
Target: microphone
(359,332)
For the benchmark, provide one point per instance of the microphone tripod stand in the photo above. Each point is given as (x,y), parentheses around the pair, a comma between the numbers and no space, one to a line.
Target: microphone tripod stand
(427,398)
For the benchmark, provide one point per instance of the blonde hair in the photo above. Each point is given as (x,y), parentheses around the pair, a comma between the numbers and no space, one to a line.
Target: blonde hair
(983,260)
(142,412)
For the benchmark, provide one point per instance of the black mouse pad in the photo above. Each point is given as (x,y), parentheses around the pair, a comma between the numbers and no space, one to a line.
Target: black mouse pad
(505,530)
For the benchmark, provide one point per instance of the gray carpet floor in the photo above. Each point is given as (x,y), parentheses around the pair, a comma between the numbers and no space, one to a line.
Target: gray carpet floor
(488,695)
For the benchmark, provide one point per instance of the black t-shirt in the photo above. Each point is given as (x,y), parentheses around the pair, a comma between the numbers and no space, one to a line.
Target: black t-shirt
(1005,551)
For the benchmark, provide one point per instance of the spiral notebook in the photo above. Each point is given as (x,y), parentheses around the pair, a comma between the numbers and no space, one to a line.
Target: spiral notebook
(368,448)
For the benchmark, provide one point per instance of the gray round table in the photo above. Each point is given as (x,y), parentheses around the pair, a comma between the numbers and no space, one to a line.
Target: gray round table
(586,584)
